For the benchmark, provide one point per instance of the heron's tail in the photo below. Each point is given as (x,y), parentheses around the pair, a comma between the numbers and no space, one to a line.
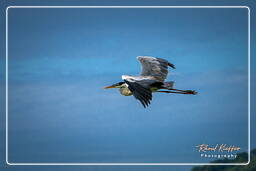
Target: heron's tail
(168,85)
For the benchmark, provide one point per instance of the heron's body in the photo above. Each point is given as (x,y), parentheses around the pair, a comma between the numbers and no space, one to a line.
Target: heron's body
(151,79)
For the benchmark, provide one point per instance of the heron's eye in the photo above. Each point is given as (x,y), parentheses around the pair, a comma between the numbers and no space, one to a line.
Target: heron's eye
(120,83)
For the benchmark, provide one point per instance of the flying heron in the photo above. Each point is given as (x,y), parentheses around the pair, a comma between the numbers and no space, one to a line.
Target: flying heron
(151,79)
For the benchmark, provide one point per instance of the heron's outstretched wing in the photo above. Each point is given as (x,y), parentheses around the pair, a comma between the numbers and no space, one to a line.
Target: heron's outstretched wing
(140,92)
(156,68)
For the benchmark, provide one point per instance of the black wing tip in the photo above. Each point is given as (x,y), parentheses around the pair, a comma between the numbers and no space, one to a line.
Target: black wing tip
(171,65)
(144,100)
(144,105)
(140,93)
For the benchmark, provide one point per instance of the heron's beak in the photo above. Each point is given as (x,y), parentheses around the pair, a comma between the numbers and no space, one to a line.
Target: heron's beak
(112,86)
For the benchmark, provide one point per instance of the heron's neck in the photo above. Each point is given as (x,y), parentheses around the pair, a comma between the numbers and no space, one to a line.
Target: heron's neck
(124,90)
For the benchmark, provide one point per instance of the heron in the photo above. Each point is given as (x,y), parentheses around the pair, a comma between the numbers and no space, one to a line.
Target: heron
(151,80)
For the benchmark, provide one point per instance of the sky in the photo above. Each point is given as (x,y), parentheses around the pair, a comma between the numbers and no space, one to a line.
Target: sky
(60,59)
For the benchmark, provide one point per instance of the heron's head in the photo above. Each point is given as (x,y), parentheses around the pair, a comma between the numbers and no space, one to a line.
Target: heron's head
(117,85)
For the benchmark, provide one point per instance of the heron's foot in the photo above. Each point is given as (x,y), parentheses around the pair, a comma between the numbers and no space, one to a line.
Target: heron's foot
(191,92)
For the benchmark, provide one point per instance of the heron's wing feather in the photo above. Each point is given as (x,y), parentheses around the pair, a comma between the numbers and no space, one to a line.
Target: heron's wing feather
(156,68)
(140,92)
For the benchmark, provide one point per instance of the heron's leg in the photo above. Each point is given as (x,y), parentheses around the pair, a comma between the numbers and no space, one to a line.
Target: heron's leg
(188,92)
(184,91)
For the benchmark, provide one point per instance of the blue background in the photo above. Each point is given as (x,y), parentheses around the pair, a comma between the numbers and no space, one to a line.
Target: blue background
(59,60)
